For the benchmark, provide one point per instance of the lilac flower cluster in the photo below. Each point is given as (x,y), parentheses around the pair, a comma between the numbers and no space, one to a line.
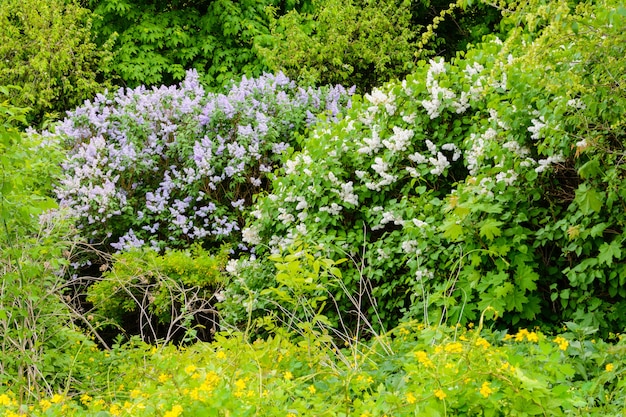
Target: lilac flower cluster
(165,166)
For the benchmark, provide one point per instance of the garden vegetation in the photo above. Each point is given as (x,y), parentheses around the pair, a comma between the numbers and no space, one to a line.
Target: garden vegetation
(312,208)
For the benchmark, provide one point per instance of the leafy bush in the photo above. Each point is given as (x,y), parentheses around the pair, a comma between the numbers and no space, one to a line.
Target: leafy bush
(166,297)
(47,50)
(474,183)
(39,343)
(169,166)
(359,42)
(157,41)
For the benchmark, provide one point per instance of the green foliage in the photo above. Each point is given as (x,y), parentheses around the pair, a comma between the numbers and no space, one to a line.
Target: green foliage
(361,43)
(169,295)
(39,344)
(414,370)
(459,189)
(47,51)
(156,42)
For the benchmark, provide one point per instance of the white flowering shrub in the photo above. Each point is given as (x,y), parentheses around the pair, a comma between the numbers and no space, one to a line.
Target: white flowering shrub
(167,166)
(471,184)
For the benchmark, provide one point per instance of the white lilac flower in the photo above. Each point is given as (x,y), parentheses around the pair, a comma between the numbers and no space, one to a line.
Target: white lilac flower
(535,129)
(451,147)
(372,145)
(509,177)
(419,223)
(400,139)
(545,163)
(410,118)
(418,158)
(409,246)
(440,164)
(333,210)
(250,235)
(231,267)
(576,103)
(347,194)
(423,274)
(437,66)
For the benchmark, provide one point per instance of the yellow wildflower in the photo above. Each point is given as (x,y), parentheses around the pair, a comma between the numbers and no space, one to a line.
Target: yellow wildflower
(562,342)
(422,357)
(5,400)
(163,378)
(532,337)
(410,398)
(45,404)
(521,335)
(85,399)
(454,347)
(485,389)
(56,398)
(115,410)
(288,376)
(10,413)
(480,342)
(240,384)
(176,411)
(290,415)
(312,389)
(220,355)
(440,394)
(190,369)
(609,367)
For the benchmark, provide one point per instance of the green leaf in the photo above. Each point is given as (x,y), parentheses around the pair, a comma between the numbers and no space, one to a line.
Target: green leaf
(589,169)
(489,228)
(588,199)
(451,230)
(608,251)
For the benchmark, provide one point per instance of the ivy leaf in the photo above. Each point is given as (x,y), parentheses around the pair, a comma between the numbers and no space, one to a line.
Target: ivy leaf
(588,199)
(490,228)
(608,251)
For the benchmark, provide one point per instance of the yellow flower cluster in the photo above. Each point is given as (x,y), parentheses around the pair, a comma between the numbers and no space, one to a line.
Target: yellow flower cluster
(440,394)
(524,334)
(562,342)
(6,400)
(486,390)
(454,347)
(176,411)
(422,357)
(211,380)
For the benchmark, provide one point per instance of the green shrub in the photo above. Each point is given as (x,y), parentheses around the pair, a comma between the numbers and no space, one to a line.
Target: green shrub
(165,298)
(363,43)
(47,50)
(39,343)
(480,182)
(169,166)
(157,41)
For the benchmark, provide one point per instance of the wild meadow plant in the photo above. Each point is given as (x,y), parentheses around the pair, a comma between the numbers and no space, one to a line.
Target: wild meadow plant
(167,166)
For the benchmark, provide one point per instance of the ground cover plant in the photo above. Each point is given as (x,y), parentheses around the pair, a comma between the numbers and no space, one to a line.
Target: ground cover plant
(416,370)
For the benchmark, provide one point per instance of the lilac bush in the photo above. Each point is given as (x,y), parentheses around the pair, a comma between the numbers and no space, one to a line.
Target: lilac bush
(165,166)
